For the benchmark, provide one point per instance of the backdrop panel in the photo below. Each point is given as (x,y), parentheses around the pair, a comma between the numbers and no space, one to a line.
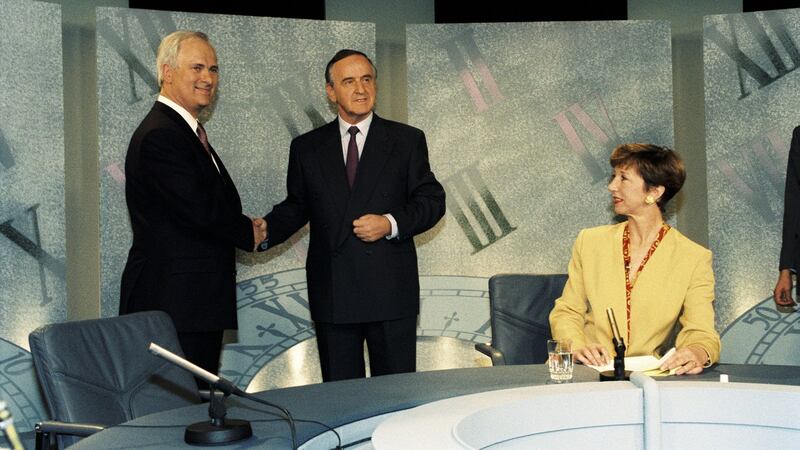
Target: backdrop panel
(752,98)
(521,119)
(32,248)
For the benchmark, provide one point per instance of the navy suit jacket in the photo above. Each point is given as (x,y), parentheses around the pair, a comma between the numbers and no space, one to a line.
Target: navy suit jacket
(790,250)
(351,281)
(186,219)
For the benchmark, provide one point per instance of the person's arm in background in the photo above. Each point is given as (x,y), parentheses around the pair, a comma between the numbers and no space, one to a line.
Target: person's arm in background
(791,226)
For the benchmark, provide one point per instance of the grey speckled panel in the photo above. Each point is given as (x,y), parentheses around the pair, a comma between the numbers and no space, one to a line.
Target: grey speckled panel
(520,120)
(32,247)
(271,89)
(751,101)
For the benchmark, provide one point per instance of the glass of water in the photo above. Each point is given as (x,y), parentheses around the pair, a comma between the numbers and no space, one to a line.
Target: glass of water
(559,359)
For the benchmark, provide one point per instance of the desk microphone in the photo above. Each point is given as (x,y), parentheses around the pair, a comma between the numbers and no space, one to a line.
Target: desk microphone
(218,431)
(7,425)
(619,372)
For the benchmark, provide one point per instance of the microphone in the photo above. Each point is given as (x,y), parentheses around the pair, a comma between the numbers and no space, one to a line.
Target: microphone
(218,430)
(7,425)
(619,372)
(614,328)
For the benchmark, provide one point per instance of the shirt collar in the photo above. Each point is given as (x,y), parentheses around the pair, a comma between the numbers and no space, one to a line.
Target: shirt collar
(363,126)
(180,110)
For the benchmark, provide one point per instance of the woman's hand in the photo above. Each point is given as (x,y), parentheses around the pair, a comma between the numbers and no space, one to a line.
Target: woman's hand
(688,360)
(592,354)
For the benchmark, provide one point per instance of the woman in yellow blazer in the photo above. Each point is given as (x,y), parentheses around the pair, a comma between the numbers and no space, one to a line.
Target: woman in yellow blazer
(650,274)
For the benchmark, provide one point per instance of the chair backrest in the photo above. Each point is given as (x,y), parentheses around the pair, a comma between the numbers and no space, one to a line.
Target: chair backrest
(520,307)
(100,371)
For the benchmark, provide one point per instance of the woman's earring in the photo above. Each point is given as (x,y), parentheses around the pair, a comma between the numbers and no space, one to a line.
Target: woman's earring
(649,200)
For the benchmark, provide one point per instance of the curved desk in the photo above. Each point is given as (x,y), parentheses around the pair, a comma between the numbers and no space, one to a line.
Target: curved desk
(642,413)
(356,407)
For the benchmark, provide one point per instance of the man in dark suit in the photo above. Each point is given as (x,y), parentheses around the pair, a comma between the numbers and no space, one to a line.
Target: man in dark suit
(790,250)
(366,187)
(185,211)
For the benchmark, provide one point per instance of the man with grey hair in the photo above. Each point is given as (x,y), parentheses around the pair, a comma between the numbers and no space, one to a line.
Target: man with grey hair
(185,211)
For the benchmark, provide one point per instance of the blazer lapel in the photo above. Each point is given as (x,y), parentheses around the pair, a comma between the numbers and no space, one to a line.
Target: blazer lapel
(191,135)
(331,166)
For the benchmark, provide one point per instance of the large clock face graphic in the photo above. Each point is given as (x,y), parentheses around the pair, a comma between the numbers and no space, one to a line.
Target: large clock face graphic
(274,318)
(763,335)
(18,386)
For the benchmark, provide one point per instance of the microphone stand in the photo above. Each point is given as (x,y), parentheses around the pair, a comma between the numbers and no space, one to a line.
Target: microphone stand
(218,430)
(619,372)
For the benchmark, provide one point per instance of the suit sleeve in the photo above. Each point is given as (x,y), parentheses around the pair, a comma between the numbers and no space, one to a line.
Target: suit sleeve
(292,213)
(426,196)
(172,171)
(790,249)
(568,317)
(697,316)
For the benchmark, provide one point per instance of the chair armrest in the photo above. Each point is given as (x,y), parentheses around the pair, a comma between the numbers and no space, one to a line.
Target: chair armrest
(498,359)
(73,429)
(47,430)
(205,395)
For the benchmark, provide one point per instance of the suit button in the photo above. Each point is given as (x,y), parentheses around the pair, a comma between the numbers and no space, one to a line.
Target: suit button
(368,252)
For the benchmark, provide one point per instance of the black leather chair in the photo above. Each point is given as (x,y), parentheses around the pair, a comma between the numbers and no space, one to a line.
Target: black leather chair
(98,373)
(520,305)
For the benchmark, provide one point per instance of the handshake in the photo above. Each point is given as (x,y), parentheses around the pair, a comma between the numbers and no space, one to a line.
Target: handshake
(259,234)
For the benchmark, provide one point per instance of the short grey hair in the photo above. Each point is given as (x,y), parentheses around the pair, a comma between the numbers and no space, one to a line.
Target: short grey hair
(170,46)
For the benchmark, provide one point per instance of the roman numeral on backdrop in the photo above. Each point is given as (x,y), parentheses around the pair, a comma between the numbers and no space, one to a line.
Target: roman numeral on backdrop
(6,157)
(288,96)
(473,71)
(122,46)
(765,155)
(607,138)
(775,67)
(475,209)
(32,246)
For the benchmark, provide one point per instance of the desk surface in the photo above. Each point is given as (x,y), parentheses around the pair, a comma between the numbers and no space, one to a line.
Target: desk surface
(345,402)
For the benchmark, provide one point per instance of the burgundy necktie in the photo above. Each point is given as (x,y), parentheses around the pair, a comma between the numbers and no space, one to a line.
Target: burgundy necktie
(201,133)
(352,156)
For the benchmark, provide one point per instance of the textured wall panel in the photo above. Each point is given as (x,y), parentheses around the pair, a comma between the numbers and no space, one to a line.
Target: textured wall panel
(32,247)
(521,119)
(752,98)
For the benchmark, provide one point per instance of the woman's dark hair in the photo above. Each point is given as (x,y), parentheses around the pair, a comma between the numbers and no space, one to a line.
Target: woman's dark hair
(658,166)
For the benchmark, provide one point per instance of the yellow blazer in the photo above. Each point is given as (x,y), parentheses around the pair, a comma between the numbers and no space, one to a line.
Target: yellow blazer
(676,284)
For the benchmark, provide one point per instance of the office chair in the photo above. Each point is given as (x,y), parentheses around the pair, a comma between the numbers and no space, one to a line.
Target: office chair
(98,373)
(520,307)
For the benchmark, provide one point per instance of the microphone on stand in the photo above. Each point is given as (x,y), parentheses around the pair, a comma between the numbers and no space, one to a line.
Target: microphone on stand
(219,430)
(7,425)
(619,372)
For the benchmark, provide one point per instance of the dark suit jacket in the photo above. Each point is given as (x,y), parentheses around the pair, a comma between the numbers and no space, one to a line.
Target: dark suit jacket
(186,219)
(790,250)
(351,281)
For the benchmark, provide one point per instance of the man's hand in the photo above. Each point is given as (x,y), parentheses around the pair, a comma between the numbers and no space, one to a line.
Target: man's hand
(371,227)
(783,290)
(259,231)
